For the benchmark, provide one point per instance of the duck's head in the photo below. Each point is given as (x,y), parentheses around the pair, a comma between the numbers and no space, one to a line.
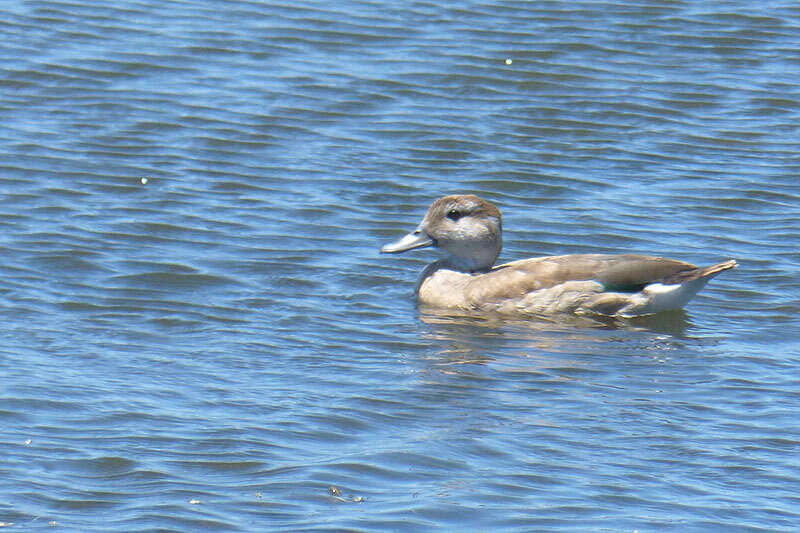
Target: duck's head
(466,228)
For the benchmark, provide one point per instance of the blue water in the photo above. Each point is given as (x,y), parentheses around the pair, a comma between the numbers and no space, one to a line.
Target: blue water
(198,332)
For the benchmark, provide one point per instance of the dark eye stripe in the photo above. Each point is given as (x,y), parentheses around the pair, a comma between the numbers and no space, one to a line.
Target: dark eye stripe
(454,214)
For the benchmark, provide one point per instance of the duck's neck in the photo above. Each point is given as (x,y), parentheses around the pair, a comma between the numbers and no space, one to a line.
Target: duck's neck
(468,264)
(477,253)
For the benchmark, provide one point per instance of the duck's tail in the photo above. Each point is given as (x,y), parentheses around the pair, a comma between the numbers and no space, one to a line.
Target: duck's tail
(699,273)
(672,292)
(713,270)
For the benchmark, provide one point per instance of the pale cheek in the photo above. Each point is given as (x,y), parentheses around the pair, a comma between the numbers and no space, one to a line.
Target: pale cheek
(475,234)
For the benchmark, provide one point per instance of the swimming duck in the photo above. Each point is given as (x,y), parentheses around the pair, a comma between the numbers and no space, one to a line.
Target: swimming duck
(468,230)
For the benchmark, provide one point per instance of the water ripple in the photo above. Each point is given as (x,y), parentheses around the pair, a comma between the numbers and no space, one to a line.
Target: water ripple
(199,332)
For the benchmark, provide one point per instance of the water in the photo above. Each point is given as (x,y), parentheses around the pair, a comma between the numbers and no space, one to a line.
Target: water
(219,346)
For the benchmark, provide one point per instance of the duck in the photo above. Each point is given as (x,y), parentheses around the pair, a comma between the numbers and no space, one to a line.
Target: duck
(468,231)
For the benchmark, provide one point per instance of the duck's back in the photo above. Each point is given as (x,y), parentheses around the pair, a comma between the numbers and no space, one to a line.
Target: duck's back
(567,283)
(627,272)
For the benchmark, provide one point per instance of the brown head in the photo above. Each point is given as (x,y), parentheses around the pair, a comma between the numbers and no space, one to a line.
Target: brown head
(467,228)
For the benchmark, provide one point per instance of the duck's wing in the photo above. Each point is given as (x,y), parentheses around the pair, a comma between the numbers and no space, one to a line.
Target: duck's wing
(598,283)
(630,273)
(617,274)
(627,273)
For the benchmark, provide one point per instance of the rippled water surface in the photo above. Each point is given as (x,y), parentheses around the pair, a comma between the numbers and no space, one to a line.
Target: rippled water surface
(198,332)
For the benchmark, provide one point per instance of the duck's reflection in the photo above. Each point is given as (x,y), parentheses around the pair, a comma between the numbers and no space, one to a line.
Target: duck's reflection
(673,323)
(465,338)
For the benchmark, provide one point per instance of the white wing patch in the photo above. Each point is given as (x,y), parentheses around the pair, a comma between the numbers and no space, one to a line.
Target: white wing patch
(658,297)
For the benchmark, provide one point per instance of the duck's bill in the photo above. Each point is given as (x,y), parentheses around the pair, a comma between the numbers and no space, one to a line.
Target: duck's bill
(412,241)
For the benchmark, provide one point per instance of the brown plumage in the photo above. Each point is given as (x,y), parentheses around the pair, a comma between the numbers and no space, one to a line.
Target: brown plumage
(469,230)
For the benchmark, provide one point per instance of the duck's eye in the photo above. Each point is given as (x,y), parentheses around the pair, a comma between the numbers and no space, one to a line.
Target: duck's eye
(454,214)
